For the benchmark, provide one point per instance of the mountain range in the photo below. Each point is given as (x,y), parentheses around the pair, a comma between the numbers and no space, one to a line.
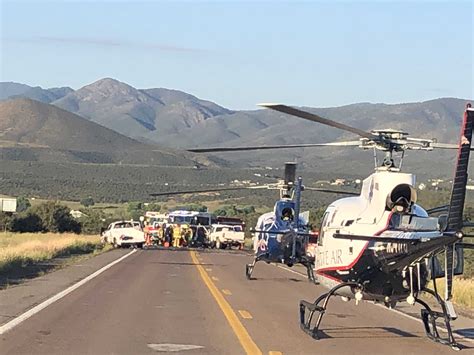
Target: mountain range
(178,120)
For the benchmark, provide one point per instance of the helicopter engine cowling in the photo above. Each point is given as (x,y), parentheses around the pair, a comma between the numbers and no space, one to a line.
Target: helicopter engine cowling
(401,198)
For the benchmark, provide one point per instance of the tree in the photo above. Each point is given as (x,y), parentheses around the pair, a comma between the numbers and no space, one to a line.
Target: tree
(87,202)
(56,218)
(153,207)
(135,210)
(92,221)
(29,222)
(22,204)
(5,221)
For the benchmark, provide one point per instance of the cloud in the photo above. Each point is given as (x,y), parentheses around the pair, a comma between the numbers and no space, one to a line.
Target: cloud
(106,42)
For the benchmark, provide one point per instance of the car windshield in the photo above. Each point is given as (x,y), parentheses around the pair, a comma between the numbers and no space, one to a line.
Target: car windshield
(123,225)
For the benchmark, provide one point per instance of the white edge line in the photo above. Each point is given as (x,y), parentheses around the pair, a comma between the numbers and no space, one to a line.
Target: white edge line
(24,316)
(459,336)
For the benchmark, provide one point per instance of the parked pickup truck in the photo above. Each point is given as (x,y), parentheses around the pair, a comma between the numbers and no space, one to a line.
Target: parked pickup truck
(124,234)
(223,236)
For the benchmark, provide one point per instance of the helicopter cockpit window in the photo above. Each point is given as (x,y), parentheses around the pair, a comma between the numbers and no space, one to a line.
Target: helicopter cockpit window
(408,222)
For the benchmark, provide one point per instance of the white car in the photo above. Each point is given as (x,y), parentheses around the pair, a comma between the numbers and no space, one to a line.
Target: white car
(124,234)
(223,235)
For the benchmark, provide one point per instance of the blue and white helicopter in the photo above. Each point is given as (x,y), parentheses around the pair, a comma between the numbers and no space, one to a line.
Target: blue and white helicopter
(281,236)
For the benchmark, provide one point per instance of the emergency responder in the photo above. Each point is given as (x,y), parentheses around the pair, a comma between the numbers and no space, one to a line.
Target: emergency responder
(147,231)
(176,236)
(186,234)
(168,234)
(161,235)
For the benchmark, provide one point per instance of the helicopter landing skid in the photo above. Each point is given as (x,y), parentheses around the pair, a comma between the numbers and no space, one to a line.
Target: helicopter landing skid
(309,271)
(429,317)
(305,322)
(249,267)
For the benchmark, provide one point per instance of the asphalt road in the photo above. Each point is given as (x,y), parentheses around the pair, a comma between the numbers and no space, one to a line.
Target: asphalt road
(201,303)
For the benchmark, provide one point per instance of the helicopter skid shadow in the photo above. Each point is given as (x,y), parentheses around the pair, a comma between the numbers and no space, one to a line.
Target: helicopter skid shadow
(467,333)
(365,332)
(277,279)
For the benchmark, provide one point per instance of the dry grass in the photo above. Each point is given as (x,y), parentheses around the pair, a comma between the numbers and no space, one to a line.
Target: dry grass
(463,291)
(21,250)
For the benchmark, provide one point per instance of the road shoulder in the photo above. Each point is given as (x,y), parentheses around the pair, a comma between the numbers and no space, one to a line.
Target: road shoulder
(17,299)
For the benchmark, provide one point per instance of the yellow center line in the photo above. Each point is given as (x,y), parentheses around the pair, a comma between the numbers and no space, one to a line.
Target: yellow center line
(244,338)
(245,315)
(226,292)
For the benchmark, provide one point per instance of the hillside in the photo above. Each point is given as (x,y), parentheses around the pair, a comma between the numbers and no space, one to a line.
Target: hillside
(10,90)
(35,131)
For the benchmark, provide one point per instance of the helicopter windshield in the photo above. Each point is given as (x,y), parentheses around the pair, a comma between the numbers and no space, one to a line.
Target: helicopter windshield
(285,210)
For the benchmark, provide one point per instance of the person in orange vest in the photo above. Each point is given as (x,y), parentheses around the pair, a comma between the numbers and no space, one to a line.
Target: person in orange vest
(176,236)
(147,231)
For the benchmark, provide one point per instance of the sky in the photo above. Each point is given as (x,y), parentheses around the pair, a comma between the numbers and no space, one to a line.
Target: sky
(237,54)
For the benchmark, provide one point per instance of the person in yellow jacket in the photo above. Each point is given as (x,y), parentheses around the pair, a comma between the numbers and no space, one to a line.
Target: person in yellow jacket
(176,236)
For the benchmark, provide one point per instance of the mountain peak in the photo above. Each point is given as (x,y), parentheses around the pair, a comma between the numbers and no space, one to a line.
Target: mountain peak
(110,86)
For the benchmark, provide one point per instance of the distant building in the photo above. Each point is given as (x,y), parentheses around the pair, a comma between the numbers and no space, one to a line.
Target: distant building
(338,182)
(77,214)
(7,204)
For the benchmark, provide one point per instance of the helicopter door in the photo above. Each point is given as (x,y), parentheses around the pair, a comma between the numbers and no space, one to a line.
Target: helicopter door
(323,228)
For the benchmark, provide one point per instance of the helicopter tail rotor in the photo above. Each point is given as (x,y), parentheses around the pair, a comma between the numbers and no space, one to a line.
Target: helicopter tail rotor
(454,254)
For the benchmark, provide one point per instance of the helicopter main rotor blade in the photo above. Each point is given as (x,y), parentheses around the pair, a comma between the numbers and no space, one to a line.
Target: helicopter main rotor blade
(209,190)
(315,118)
(307,145)
(443,208)
(342,192)
(446,146)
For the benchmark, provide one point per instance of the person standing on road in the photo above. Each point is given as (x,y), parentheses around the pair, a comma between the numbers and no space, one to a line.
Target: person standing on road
(168,234)
(176,236)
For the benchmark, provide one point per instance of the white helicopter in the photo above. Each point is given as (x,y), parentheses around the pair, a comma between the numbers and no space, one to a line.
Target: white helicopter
(381,245)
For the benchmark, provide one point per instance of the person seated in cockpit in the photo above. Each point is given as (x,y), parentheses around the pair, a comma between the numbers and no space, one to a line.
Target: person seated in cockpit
(287,214)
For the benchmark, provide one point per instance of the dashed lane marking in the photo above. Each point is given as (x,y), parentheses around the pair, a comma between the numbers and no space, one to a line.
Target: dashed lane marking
(215,278)
(21,318)
(208,269)
(226,292)
(245,315)
(275,353)
(245,340)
